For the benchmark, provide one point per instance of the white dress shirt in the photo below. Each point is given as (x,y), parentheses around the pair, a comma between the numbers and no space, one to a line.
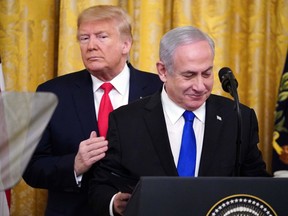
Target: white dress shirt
(175,123)
(118,95)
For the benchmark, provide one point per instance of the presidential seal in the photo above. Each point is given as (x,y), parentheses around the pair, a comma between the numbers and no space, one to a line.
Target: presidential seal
(241,204)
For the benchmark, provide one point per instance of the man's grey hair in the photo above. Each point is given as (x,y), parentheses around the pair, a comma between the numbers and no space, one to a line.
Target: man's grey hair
(178,37)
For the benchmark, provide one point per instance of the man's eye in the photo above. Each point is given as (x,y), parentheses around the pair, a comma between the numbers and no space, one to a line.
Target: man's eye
(83,38)
(206,75)
(102,36)
(188,75)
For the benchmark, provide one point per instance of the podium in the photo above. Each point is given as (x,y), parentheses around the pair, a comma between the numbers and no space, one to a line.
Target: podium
(215,196)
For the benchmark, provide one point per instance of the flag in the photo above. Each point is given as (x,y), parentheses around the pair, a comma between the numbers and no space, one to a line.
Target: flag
(2,85)
(2,88)
(280,135)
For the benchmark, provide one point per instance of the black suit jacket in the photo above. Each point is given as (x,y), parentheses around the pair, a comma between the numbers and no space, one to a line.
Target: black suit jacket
(52,165)
(139,146)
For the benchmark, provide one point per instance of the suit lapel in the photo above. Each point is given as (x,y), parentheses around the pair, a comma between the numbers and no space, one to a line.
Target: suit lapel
(136,85)
(157,127)
(140,84)
(213,127)
(83,98)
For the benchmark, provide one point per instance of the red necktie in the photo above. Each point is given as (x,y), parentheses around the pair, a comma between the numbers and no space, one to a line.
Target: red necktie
(104,109)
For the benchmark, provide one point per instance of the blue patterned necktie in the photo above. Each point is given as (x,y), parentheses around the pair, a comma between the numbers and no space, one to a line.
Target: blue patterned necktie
(187,157)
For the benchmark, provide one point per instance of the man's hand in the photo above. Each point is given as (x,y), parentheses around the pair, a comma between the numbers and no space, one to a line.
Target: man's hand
(284,155)
(120,202)
(89,152)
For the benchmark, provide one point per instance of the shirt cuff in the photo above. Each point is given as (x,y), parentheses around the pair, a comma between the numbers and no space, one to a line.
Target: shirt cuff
(281,174)
(111,206)
(78,179)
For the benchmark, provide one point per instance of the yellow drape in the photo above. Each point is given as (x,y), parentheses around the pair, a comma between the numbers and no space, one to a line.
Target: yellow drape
(38,42)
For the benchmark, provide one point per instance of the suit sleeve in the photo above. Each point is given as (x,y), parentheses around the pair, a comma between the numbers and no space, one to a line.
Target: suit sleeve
(51,165)
(49,171)
(252,161)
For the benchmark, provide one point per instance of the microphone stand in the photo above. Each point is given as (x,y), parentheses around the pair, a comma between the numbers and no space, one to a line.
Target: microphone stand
(233,91)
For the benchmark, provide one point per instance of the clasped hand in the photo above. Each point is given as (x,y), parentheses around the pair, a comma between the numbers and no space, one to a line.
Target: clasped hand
(120,202)
(90,151)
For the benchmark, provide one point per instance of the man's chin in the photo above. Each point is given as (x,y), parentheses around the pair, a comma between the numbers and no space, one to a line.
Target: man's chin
(97,68)
(195,105)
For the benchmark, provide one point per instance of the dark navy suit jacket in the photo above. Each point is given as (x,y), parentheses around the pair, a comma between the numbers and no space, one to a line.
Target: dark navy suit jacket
(52,165)
(139,146)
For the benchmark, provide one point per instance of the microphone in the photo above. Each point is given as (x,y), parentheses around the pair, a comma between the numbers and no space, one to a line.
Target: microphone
(230,84)
(228,81)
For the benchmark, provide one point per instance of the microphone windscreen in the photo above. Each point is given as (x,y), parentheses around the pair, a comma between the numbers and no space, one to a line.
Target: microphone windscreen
(224,74)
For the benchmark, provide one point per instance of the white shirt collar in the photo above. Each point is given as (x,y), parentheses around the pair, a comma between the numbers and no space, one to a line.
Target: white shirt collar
(120,82)
(175,112)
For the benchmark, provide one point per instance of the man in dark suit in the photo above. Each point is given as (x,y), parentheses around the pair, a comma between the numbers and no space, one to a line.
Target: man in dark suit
(71,144)
(145,136)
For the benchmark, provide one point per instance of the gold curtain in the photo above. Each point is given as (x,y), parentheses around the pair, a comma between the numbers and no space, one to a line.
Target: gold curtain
(38,42)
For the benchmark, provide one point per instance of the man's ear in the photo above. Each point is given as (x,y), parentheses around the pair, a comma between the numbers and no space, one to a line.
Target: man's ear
(162,71)
(126,46)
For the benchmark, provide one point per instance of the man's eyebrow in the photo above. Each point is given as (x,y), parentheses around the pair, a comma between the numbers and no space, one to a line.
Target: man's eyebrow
(208,69)
(191,71)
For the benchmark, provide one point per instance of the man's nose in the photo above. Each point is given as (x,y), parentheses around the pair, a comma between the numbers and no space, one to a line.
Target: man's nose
(198,83)
(92,44)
